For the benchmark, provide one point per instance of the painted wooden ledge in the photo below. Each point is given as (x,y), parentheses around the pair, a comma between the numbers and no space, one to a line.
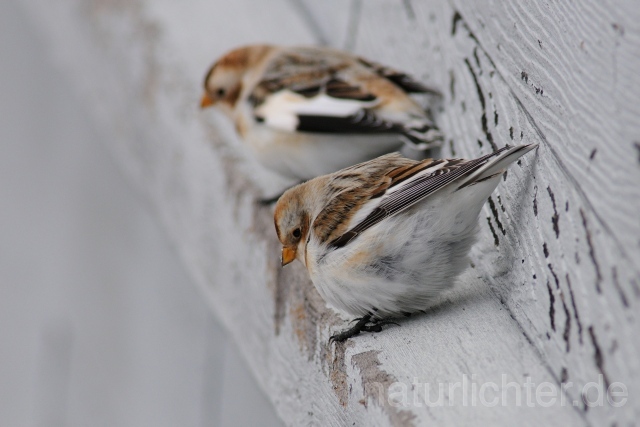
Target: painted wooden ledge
(552,298)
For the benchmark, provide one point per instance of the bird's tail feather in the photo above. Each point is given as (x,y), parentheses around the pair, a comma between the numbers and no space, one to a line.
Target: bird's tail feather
(497,162)
(422,135)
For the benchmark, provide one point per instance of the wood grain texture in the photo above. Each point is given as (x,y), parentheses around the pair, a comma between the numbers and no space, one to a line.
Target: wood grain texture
(554,251)
(554,291)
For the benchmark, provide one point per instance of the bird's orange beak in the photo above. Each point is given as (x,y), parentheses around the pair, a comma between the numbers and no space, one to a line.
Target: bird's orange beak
(288,254)
(206,101)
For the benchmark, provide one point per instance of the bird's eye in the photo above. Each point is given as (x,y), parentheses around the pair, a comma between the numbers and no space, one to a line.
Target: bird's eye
(220,92)
(297,233)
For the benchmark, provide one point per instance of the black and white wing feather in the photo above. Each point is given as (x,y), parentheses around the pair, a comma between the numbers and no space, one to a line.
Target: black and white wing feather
(307,92)
(415,183)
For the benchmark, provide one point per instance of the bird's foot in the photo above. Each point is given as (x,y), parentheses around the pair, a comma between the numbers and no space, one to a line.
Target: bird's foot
(364,324)
(377,327)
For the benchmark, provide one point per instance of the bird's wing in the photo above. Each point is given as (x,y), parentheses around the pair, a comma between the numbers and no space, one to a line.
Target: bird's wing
(399,78)
(349,189)
(413,183)
(302,90)
(324,112)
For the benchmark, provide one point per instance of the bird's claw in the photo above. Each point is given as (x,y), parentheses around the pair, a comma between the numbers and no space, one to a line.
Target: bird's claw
(364,325)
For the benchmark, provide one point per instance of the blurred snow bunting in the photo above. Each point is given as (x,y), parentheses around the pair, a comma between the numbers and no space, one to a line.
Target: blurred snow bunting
(383,238)
(308,111)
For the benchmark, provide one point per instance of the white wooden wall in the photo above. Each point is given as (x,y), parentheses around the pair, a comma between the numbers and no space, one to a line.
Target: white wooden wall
(555,285)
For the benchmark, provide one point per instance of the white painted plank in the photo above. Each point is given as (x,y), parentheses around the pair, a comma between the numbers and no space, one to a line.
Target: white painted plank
(141,70)
(580,88)
(560,266)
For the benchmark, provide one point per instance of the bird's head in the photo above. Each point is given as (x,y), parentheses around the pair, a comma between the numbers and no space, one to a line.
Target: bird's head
(223,82)
(292,221)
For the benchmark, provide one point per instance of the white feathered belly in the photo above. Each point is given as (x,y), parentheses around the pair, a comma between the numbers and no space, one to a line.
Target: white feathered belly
(401,264)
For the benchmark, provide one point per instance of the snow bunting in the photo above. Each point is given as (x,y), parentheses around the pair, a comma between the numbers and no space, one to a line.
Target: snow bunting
(309,111)
(383,238)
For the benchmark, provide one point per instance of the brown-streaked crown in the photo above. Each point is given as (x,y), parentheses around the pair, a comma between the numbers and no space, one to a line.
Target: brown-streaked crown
(223,82)
(291,218)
